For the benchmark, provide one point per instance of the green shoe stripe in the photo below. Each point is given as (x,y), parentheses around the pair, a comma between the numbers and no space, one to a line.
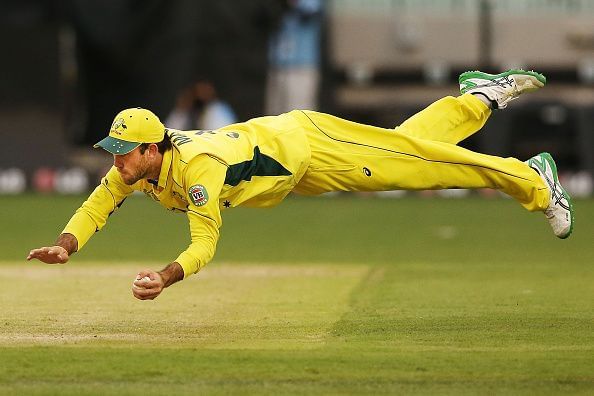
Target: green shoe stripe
(487,76)
(539,161)
(467,86)
(546,157)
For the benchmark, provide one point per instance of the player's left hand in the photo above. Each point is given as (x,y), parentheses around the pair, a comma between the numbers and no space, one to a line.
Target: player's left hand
(147,285)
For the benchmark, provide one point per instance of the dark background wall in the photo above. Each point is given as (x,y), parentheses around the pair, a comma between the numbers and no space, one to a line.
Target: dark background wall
(69,66)
(89,59)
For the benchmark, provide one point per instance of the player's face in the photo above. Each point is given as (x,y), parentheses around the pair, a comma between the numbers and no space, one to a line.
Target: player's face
(133,166)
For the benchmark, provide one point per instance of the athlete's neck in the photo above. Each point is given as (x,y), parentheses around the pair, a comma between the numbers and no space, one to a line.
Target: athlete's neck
(154,170)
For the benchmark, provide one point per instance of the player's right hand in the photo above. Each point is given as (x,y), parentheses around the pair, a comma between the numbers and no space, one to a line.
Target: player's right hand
(49,255)
(147,285)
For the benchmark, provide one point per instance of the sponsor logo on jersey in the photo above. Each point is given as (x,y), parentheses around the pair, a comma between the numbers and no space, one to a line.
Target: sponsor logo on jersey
(118,126)
(198,195)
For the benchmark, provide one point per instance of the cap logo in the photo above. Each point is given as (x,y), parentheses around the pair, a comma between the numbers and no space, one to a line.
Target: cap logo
(118,126)
(198,195)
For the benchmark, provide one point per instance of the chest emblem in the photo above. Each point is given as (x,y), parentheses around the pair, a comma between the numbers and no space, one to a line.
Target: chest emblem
(118,126)
(198,195)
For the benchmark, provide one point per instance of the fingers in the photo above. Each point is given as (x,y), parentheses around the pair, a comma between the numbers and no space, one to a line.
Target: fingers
(147,285)
(147,273)
(146,294)
(49,255)
(142,293)
(145,279)
(35,253)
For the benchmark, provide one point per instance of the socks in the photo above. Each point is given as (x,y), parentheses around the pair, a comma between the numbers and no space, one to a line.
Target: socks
(483,98)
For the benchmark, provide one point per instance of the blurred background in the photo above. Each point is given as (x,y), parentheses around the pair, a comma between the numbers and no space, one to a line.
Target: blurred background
(69,66)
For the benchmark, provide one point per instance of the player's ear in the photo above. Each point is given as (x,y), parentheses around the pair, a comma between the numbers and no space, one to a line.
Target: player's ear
(153,149)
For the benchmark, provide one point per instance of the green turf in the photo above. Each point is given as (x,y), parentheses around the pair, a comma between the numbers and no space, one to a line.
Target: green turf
(313,230)
(317,296)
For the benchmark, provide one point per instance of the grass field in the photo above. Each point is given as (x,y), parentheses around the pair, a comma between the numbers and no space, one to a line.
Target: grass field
(316,296)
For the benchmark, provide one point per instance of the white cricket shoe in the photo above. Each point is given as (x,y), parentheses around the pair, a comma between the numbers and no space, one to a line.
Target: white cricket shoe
(501,88)
(560,210)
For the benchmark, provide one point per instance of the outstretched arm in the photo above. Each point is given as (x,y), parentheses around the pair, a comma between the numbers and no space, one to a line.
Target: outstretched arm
(87,220)
(203,180)
(65,246)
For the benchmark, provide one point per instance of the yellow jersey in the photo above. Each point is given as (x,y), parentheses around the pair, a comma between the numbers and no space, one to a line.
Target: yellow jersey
(255,163)
(258,162)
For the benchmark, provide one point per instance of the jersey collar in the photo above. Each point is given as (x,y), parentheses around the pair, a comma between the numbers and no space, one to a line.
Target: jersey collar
(165,168)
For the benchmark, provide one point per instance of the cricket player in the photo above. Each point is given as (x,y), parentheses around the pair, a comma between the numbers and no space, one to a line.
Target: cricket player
(258,162)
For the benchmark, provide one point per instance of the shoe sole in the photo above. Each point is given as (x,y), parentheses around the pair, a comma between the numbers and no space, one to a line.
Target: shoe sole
(549,159)
(526,81)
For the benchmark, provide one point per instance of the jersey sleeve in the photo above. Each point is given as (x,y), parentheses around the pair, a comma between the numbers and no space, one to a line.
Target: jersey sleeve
(103,201)
(203,180)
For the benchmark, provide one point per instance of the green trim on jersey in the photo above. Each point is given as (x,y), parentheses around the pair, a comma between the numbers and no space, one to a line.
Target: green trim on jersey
(259,165)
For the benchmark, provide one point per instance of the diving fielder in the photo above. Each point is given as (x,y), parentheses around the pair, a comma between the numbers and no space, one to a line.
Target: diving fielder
(258,162)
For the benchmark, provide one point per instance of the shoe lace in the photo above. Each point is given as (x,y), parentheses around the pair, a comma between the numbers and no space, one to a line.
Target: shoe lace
(558,200)
(505,83)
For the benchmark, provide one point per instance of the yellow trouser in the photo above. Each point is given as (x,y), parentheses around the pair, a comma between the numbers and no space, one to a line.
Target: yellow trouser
(420,154)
